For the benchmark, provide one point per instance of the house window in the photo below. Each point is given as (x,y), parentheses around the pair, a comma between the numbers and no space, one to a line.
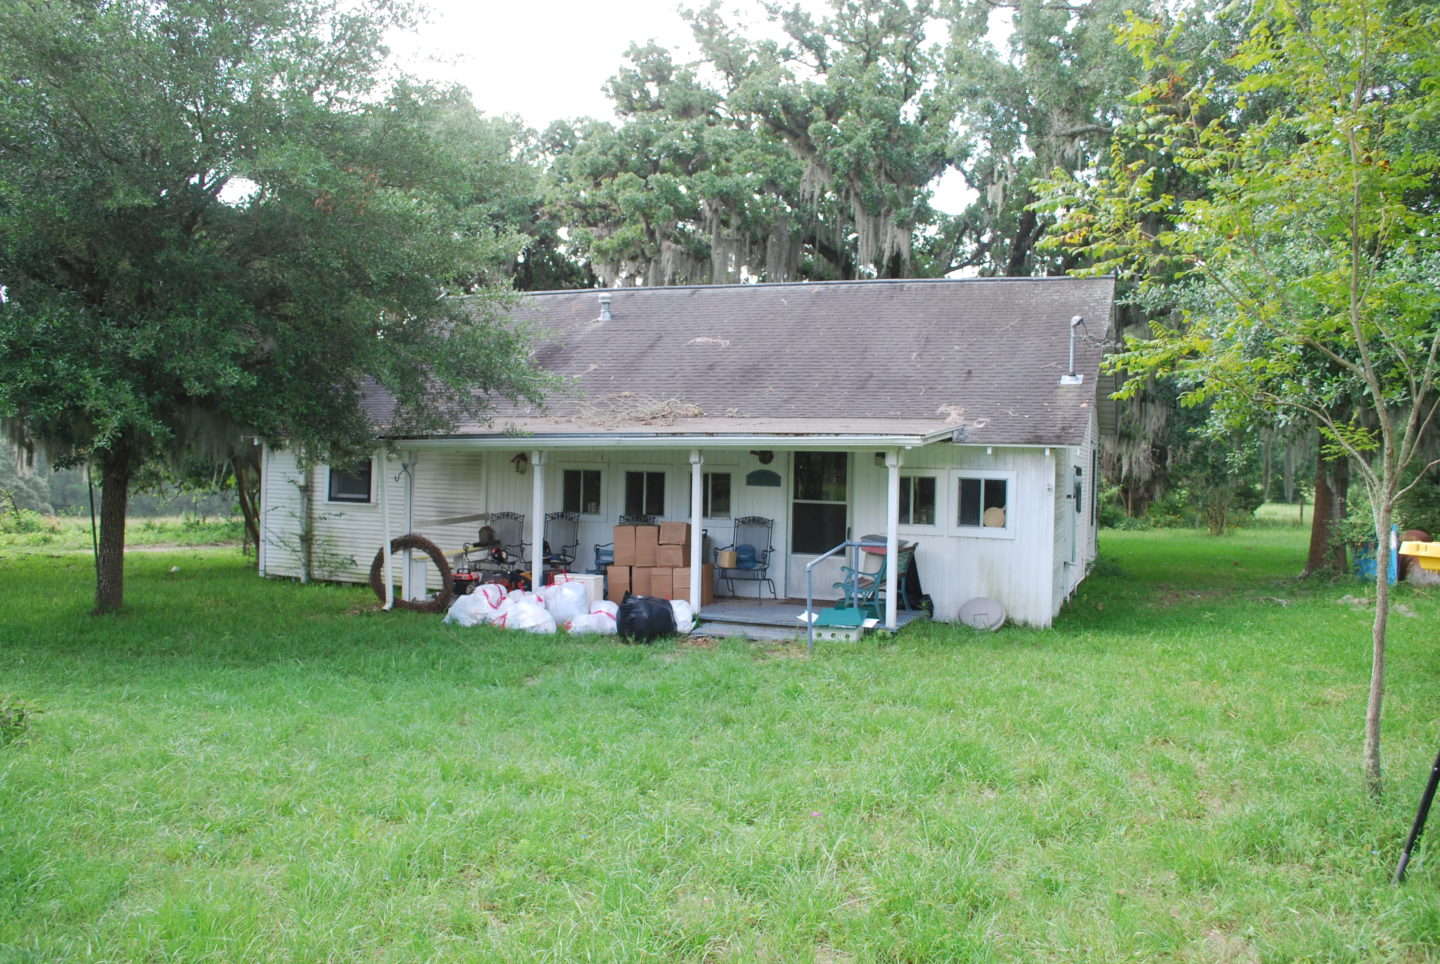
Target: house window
(716,491)
(581,491)
(351,483)
(917,500)
(645,493)
(1079,491)
(819,510)
(983,502)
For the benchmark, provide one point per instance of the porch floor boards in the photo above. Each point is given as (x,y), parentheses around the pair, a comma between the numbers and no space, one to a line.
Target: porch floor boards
(769,619)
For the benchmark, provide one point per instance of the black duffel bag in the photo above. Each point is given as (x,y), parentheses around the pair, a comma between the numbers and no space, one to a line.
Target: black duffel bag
(643,618)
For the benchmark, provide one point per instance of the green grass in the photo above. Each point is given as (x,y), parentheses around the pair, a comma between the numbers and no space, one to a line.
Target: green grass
(28,531)
(1283,515)
(240,770)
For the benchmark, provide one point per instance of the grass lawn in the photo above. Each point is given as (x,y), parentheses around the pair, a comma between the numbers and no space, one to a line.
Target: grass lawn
(240,770)
(29,532)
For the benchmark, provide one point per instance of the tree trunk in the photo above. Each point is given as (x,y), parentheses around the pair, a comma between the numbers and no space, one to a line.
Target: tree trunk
(1332,482)
(1267,458)
(1384,512)
(1315,558)
(1339,508)
(246,486)
(1026,233)
(110,562)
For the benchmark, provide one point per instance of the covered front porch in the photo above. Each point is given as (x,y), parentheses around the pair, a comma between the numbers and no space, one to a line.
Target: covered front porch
(860,488)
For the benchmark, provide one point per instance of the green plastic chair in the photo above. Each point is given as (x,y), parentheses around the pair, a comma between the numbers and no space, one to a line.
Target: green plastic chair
(865,589)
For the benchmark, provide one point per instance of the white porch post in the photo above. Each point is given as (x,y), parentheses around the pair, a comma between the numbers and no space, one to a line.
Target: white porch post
(408,589)
(697,463)
(385,520)
(892,537)
(416,566)
(537,521)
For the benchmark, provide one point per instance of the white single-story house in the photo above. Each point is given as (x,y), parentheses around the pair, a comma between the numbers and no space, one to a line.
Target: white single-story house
(959,415)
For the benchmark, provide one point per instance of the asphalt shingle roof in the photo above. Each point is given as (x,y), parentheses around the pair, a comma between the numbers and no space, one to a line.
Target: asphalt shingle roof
(982,356)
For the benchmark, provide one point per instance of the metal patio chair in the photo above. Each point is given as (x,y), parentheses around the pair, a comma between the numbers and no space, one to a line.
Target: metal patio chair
(509,530)
(562,537)
(605,551)
(751,546)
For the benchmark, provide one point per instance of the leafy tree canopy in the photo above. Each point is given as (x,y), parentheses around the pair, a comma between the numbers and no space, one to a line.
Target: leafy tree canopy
(220,218)
(1310,258)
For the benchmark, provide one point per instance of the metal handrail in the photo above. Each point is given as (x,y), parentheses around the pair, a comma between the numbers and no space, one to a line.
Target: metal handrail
(855,545)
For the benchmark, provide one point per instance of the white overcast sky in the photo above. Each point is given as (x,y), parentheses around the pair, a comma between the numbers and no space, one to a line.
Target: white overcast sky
(548,59)
(540,59)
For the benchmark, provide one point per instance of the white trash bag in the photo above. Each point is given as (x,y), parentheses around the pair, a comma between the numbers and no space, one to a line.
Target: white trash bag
(493,592)
(601,623)
(471,610)
(529,616)
(568,600)
(684,615)
(507,605)
(607,607)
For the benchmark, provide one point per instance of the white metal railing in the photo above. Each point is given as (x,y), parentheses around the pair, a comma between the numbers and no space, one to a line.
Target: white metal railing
(854,545)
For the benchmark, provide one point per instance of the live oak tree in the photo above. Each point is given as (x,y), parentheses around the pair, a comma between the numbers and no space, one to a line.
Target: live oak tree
(809,155)
(228,219)
(1317,237)
(1041,94)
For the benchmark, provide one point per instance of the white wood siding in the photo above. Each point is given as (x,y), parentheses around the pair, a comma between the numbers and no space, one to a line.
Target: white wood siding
(347,534)
(279,514)
(1076,536)
(957,564)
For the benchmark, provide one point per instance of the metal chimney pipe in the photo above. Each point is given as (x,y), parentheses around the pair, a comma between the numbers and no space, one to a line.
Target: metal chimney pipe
(1070,377)
(605,313)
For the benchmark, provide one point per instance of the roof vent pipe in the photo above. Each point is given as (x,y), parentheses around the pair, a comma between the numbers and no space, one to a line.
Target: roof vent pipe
(1071,377)
(605,314)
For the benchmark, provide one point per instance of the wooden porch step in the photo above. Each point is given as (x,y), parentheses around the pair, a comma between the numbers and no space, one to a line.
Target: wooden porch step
(776,620)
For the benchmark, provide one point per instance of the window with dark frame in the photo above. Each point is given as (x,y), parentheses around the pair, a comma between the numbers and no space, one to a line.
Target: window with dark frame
(716,492)
(581,491)
(917,500)
(645,493)
(819,509)
(351,483)
(977,496)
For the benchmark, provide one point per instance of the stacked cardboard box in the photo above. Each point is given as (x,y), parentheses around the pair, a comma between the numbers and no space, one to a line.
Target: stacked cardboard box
(655,561)
(618,583)
(624,545)
(647,545)
(680,584)
(674,549)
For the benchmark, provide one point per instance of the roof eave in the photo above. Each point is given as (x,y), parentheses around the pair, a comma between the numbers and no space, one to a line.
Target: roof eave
(560,441)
